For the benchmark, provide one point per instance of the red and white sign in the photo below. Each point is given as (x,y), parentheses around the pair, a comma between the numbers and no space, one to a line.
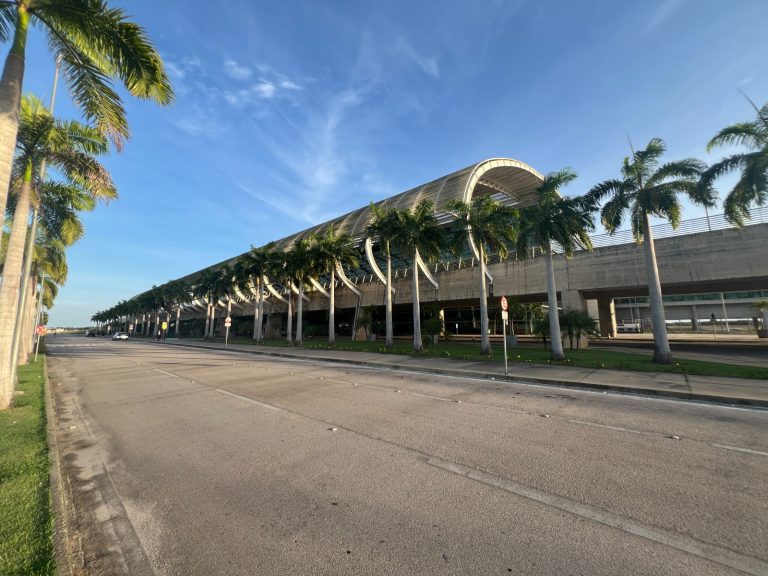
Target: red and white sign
(228,321)
(504,304)
(40,330)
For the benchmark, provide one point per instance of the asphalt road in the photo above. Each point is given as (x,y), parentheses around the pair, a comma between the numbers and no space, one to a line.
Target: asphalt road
(197,462)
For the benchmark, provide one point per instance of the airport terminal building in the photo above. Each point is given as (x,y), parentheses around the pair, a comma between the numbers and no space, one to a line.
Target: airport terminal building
(709,271)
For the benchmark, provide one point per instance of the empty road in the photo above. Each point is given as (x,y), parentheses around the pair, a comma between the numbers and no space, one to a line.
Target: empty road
(200,462)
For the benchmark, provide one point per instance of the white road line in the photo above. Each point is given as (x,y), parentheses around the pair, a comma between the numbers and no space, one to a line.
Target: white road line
(337,381)
(619,428)
(251,400)
(429,396)
(737,449)
(710,552)
(166,373)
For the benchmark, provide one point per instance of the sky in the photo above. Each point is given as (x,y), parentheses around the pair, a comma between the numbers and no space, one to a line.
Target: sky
(290,113)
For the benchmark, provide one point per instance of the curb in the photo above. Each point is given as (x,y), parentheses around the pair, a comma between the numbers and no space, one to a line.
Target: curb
(679,395)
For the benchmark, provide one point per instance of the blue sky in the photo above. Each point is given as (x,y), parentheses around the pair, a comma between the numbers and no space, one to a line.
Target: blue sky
(290,113)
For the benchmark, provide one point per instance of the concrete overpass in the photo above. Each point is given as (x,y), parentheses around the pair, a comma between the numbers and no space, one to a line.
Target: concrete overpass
(703,255)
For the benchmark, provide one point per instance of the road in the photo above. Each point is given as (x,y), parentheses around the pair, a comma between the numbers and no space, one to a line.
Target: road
(198,462)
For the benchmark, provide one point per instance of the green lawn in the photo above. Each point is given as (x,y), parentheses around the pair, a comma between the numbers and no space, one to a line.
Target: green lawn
(26,521)
(535,354)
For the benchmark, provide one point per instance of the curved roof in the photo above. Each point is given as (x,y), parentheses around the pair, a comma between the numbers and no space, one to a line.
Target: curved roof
(510,181)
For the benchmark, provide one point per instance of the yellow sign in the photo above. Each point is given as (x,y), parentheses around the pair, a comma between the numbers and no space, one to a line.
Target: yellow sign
(165,325)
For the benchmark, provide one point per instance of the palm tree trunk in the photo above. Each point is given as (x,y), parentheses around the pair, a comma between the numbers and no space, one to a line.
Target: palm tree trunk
(23,330)
(332,309)
(289,326)
(556,348)
(299,313)
(388,309)
(260,332)
(178,321)
(485,339)
(10,103)
(418,346)
(257,314)
(662,354)
(212,327)
(9,290)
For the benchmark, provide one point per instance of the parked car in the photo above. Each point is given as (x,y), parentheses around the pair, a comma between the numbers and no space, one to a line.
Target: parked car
(90,334)
(120,336)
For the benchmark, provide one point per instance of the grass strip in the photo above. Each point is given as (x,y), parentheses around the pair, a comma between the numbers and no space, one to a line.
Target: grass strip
(533,354)
(26,520)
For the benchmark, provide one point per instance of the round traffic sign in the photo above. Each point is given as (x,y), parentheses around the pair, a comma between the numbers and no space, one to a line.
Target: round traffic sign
(504,304)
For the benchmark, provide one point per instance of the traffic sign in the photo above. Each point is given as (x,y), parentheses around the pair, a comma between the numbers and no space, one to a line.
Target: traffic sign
(228,321)
(165,325)
(504,315)
(504,304)
(40,330)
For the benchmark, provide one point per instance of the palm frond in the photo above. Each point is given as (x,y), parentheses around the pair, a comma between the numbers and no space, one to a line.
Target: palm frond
(748,134)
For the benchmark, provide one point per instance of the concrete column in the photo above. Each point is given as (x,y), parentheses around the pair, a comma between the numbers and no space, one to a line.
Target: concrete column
(695,324)
(573,300)
(607,313)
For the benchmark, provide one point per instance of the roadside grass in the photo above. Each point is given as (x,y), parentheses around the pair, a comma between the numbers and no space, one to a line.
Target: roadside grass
(536,354)
(26,520)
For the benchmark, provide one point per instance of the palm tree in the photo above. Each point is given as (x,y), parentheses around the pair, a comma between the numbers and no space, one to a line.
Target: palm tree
(384,226)
(203,288)
(252,267)
(332,249)
(300,263)
(95,44)
(752,186)
(490,226)
(566,221)
(70,148)
(417,233)
(647,189)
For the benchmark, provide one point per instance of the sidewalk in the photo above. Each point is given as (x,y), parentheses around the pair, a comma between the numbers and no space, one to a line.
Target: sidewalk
(702,388)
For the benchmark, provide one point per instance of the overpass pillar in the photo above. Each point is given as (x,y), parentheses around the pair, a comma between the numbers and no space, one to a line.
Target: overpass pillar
(695,324)
(573,300)
(607,314)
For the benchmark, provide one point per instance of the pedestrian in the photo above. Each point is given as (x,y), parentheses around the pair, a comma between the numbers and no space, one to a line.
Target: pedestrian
(159,334)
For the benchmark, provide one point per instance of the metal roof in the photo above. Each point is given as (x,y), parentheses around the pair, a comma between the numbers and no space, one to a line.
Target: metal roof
(510,181)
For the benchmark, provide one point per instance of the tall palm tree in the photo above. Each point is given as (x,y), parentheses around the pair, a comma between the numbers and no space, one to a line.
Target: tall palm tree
(384,227)
(491,227)
(553,218)
(648,189)
(203,288)
(752,186)
(418,234)
(301,265)
(70,148)
(95,44)
(332,249)
(253,266)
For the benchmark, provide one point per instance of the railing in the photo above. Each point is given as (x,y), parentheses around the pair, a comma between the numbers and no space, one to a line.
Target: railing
(694,226)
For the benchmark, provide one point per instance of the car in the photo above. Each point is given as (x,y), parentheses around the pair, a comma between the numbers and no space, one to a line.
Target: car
(90,334)
(119,336)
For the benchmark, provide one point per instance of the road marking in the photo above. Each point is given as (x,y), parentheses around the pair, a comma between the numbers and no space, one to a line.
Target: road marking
(710,552)
(429,396)
(737,449)
(251,400)
(619,428)
(324,379)
(166,373)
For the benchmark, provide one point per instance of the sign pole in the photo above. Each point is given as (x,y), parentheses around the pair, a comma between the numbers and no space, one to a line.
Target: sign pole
(504,331)
(504,317)
(226,338)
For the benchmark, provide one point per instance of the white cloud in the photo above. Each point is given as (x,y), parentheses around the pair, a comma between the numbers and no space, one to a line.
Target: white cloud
(237,71)
(664,11)
(428,65)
